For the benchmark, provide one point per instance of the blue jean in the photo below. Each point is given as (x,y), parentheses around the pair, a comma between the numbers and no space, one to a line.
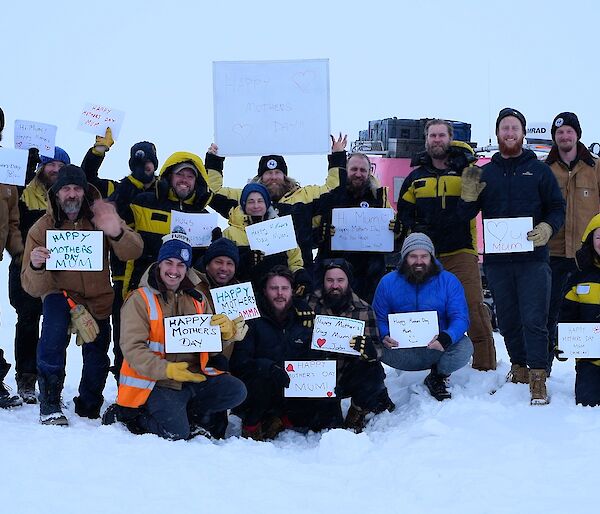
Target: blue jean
(169,413)
(454,357)
(52,351)
(521,291)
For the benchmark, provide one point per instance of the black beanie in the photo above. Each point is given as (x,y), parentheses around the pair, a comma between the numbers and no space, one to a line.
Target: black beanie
(339,263)
(222,247)
(70,174)
(566,118)
(142,152)
(509,111)
(272,162)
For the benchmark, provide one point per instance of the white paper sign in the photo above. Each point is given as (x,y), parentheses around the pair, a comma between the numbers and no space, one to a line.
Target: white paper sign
(272,236)
(579,340)
(75,250)
(235,300)
(192,334)
(272,107)
(13,166)
(32,134)
(362,230)
(333,334)
(507,235)
(413,329)
(197,226)
(311,379)
(96,118)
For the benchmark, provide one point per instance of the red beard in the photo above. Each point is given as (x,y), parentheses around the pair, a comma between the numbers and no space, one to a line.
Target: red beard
(510,150)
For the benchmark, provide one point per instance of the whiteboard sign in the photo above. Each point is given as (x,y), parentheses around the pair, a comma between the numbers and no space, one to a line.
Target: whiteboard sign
(197,226)
(192,334)
(579,340)
(96,118)
(75,250)
(13,166)
(235,300)
(507,235)
(311,379)
(413,329)
(272,236)
(271,107)
(333,334)
(32,134)
(362,230)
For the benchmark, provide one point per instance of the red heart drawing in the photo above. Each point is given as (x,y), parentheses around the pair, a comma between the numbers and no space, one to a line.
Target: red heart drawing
(289,368)
(329,393)
(321,341)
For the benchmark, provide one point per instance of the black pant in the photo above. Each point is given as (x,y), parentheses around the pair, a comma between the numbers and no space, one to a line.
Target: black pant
(363,382)
(587,383)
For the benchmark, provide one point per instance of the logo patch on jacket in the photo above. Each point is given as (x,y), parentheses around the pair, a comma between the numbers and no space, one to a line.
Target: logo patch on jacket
(583,289)
(364,205)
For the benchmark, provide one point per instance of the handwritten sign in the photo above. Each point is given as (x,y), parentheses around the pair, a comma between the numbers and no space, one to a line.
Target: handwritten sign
(333,333)
(413,329)
(579,340)
(272,236)
(75,250)
(96,118)
(311,379)
(266,107)
(197,226)
(235,300)
(13,166)
(507,235)
(192,334)
(32,134)
(362,230)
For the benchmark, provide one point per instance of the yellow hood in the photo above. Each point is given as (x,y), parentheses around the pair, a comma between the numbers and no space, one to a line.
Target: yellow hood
(179,157)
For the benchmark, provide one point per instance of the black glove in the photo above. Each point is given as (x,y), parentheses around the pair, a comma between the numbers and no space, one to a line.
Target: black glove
(33,159)
(325,232)
(364,345)
(279,376)
(255,257)
(302,283)
(557,353)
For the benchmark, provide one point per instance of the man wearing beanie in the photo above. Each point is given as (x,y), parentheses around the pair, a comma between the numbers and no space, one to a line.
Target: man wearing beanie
(220,262)
(420,284)
(515,184)
(171,395)
(81,299)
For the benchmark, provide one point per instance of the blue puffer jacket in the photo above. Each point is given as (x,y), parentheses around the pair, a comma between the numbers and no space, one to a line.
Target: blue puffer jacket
(442,292)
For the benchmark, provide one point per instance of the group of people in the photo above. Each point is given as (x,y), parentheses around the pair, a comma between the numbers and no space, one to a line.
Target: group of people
(150,274)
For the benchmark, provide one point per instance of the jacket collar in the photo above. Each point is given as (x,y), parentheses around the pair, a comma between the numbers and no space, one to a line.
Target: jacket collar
(583,154)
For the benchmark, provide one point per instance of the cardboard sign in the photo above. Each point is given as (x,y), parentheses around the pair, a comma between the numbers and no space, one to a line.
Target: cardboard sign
(197,226)
(235,300)
(311,379)
(75,250)
(362,229)
(96,118)
(192,334)
(333,334)
(32,134)
(13,166)
(271,107)
(579,340)
(507,235)
(272,236)
(413,329)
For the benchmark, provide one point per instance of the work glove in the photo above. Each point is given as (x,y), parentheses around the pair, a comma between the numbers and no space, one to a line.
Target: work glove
(327,231)
(364,345)
(178,371)
(84,325)
(302,283)
(241,328)
(103,143)
(471,184)
(558,352)
(540,235)
(279,376)
(395,226)
(255,257)
(228,327)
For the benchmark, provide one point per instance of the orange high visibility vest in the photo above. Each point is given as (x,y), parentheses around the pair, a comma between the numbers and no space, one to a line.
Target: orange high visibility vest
(134,389)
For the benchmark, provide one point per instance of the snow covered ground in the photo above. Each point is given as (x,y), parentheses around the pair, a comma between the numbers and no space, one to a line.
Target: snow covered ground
(477,453)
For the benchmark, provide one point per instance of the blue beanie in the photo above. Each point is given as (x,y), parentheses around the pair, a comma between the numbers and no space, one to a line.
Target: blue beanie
(254,187)
(59,155)
(176,246)
(222,247)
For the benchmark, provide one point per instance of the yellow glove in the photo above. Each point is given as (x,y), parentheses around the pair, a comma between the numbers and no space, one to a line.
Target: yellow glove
(103,144)
(471,186)
(540,235)
(178,371)
(241,329)
(84,325)
(225,324)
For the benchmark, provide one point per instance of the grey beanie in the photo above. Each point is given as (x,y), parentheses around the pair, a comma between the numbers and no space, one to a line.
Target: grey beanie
(416,241)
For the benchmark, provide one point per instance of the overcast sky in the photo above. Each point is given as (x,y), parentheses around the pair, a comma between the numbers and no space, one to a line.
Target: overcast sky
(460,60)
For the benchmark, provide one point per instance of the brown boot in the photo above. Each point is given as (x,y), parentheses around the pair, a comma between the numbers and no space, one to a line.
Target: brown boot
(518,374)
(355,419)
(537,387)
(272,427)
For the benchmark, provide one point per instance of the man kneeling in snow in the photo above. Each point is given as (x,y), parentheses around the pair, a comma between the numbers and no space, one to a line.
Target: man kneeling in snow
(422,285)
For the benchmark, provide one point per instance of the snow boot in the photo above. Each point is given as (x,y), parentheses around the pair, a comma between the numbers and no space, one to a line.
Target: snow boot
(355,419)
(50,408)
(7,400)
(26,387)
(436,384)
(128,416)
(537,387)
(518,374)
(86,411)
